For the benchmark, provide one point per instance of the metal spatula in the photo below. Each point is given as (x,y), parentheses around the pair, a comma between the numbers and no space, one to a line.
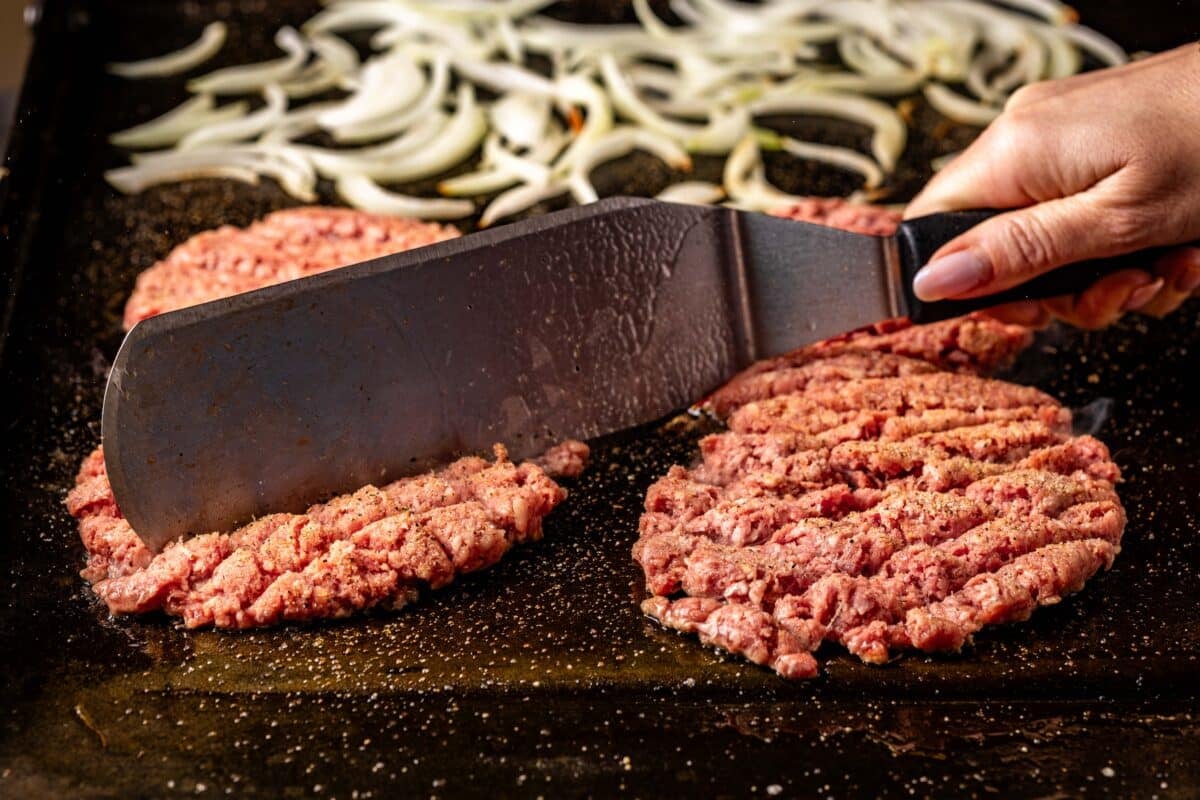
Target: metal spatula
(573,324)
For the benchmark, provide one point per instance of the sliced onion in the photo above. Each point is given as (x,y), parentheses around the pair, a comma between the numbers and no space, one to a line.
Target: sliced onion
(747,18)
(401,19)
(897,83)
(314,79)
(426,104)
(486,181)
(292,172)
(364,193)
(178,122)
(255,77)
(458,140)
(890,132)
(690,87)
(1096,43)
(615,144)
(1027,67)
(862,54)
(977,76)
(333,163)
(235,130)
(528,171)
(510,40)
(387,85)
(625,100)
(959,108)
(514,201)
(1063,58)
(521,119)
(502,77)
(136,179)
(699,193)
(494,179)
(724,130)
(295,124)
(598,113)
(211,40)
(717,137)
(842,157)
(745,180)
(336,61)
(335,51)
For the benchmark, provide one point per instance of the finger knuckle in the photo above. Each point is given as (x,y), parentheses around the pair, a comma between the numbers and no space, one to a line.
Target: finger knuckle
(1026,95)
(1029,242)
(1126,228)
(1006,135)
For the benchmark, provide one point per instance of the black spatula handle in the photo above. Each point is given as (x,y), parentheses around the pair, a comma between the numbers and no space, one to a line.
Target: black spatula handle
(920,238)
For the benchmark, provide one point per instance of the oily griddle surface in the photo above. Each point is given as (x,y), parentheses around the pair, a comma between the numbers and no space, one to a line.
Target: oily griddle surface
(538,676)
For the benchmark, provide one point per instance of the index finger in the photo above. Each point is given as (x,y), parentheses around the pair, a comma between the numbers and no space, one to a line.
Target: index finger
(985,175)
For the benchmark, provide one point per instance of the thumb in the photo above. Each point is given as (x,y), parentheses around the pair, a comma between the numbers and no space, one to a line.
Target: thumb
(1014,247)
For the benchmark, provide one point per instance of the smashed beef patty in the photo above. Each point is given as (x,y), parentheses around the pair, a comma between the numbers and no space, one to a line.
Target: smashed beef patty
(874,491)
(376,547)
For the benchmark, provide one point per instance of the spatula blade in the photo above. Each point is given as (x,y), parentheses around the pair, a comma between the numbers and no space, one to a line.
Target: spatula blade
(574,324)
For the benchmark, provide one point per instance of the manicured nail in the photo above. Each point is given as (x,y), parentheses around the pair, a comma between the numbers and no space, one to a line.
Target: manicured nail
(1142,295)
(952,275)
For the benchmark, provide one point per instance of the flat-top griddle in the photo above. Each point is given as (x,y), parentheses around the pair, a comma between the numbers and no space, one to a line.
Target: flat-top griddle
(537,677)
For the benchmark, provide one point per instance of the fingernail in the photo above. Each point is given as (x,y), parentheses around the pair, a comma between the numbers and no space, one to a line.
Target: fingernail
(952,275)
(1142,295)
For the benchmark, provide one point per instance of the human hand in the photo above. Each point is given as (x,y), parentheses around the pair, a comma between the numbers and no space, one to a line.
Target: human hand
(1096,165)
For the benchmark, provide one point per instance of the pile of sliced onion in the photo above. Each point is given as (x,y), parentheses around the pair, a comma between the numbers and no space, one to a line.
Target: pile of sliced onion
(446,81)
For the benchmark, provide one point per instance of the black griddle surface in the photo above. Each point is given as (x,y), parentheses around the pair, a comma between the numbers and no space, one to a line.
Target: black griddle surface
(539,676)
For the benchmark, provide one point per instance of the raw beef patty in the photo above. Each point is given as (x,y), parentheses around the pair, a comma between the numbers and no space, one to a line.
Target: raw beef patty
(280,247)
(876,492)
(376,547)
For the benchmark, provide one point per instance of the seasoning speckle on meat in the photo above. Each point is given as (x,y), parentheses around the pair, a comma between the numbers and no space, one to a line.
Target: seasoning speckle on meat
(281,247)
(876,491)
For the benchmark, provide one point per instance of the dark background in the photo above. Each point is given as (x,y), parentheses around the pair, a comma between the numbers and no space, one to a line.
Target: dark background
(538,676)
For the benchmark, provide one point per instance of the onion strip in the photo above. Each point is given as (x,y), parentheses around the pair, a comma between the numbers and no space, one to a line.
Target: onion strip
(246,127)
(366,160)
(890,132)
(842,157)
(615,144)
(364,193)
(484,181)
(458,140)
(700,193)
(517,200)
(211,40)
(959,108)
(388,84)
(254,77)
(172,126)
(426,104)
(745,180)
